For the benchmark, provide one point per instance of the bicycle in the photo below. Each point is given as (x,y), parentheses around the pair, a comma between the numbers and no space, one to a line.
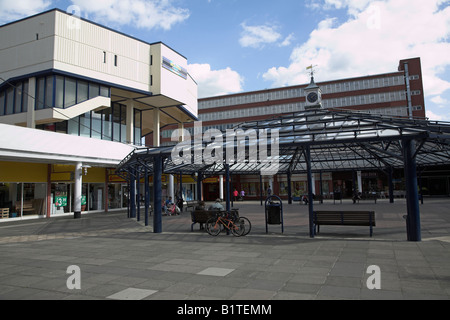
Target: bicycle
(239,226)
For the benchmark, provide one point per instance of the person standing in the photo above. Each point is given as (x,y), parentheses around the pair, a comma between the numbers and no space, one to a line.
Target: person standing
(235,195)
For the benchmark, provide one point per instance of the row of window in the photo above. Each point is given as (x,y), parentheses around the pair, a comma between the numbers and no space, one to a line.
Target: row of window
(107,124)
(51,92)
(63,92)
(352,85)
(14,99)
(294,107)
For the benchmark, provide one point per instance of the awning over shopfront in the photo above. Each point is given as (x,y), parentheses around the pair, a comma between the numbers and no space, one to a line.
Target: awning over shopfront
(38,146)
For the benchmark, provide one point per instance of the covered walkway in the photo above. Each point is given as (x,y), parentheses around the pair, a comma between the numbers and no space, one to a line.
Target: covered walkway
(312,141)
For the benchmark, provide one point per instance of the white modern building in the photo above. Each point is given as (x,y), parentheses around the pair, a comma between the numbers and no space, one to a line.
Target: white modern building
(85,96)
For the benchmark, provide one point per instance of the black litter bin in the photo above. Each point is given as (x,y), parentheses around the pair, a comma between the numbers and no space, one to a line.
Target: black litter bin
(274,212)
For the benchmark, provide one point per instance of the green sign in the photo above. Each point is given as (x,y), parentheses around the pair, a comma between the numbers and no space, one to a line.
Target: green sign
(83,200)
(60,201)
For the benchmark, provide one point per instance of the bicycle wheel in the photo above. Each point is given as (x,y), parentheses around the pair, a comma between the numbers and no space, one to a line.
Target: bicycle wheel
(237,229)
(213,226)
(245,225)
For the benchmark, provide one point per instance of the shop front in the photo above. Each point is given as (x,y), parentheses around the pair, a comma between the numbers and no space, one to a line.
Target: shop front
(23,189)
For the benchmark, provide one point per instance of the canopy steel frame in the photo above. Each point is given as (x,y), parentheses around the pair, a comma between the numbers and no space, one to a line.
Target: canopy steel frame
(314,141)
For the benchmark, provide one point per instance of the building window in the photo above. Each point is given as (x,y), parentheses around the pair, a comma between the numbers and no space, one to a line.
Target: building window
(59,91)
(18,98)
(2,103)
(137,127)
(82,91)
(115,60)
(70,92)
(40,93)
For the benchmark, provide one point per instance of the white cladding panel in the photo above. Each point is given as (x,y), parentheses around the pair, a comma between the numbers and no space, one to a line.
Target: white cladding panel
(170,83)
(27,46)
(92,51)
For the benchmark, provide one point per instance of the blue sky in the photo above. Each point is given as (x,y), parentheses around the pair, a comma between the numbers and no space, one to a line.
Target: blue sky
(243,45)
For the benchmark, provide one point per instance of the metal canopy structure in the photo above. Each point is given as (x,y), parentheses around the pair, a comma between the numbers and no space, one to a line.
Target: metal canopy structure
(305,142)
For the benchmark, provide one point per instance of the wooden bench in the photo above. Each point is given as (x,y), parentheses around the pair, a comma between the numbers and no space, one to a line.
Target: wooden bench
(191,204)
(344,218)
(4,213)
(201,216)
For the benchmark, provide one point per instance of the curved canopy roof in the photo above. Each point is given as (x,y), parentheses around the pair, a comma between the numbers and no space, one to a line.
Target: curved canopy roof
(337,140)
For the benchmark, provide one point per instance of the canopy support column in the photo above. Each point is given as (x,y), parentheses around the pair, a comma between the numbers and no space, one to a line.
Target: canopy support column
(227,187)
(310,191)
(412,197)
(157,192)
(133,195)
(147,196)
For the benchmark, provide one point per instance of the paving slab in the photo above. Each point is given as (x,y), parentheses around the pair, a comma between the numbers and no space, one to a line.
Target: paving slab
(120,258)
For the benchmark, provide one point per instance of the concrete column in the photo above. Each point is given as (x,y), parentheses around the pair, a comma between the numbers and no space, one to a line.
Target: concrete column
(359,181)
(77,190)
(156,127)
(130,121)
(221,187)
(181,129)
(172,187)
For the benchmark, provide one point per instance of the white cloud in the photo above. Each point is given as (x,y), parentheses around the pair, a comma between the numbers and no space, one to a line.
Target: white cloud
(258,36)
(145,14)
(287,42)
(375,37)
(14,10)
(215,82)
(433,116)
(440,101)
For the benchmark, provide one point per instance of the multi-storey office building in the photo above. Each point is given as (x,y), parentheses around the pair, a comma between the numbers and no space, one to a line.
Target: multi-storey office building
(75,99)
(397,94)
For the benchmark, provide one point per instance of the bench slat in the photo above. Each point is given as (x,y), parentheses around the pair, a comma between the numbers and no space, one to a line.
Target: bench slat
(349,218)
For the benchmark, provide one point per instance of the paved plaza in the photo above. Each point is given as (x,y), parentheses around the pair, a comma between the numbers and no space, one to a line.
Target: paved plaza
(120,258)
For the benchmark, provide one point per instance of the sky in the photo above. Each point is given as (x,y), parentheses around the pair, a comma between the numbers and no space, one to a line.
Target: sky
(236,46)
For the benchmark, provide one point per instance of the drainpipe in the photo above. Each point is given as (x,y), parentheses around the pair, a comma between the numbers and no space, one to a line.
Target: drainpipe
(408,91)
